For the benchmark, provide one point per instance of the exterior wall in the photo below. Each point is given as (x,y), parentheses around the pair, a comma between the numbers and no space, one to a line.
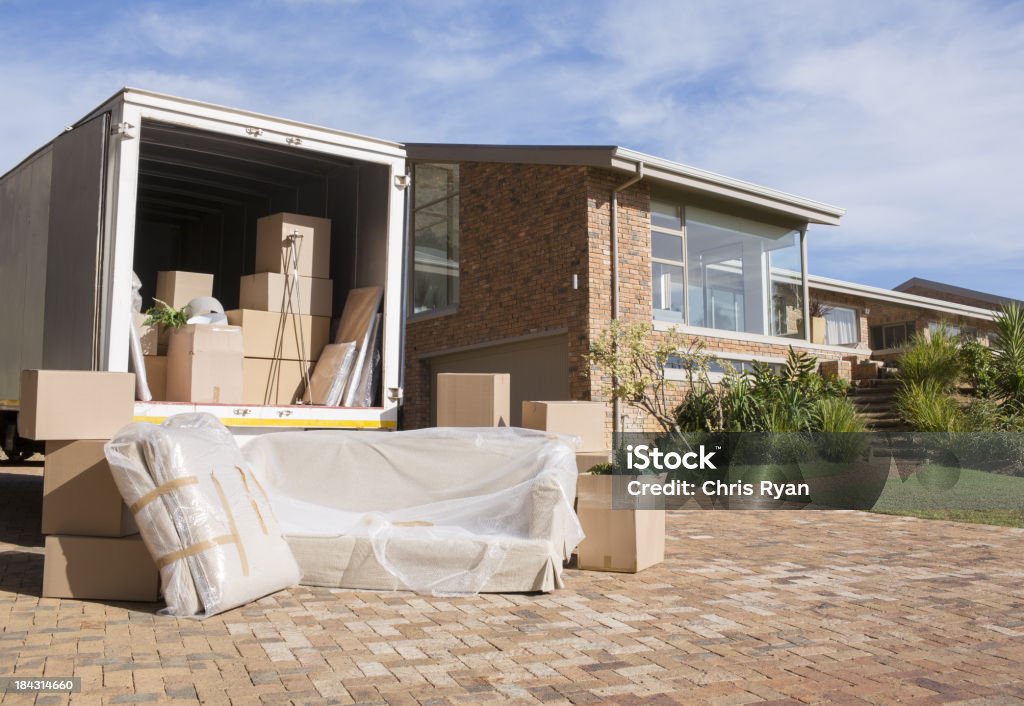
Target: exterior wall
(522,235)
(888,313)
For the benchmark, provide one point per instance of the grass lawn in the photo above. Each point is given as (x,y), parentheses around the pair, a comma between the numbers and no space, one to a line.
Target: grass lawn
(930,492)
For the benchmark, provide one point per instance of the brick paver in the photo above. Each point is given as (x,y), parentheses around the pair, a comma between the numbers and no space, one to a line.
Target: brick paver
(749,607)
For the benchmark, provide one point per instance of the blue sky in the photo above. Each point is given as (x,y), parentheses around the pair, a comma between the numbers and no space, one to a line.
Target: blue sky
(910,115)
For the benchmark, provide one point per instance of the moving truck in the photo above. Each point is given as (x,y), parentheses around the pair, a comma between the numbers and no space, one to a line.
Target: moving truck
(150,182)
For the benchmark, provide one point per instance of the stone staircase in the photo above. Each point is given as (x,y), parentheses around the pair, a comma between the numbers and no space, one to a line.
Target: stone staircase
(875,401)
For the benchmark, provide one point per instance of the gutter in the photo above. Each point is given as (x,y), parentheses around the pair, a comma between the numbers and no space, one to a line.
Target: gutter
(614,206)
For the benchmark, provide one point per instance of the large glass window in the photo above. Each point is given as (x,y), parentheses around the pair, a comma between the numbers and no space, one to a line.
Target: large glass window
(841,326)
(435,226)
(737,274)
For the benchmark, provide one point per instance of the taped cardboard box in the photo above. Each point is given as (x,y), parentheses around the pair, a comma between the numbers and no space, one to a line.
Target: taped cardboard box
(99,568)
(273,247)
(266,291)
(473,399)
(274,382)
(79,494)
(178,288)
(62,405)
(582,419)
(273,335)
(156,376)
(585,460)
(204,364)
(625,541)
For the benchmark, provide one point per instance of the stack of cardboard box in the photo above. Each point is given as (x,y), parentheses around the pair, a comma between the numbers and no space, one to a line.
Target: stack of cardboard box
(93,550)
(285,308)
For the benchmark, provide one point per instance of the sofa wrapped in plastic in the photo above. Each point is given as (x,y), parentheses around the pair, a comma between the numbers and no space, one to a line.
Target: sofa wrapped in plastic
(442,511)
(435,510)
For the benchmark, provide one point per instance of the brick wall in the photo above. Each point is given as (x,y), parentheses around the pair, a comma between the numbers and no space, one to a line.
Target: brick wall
(522,236)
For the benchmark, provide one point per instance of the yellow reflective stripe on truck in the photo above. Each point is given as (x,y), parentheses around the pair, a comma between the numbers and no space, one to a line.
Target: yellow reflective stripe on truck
(302,423)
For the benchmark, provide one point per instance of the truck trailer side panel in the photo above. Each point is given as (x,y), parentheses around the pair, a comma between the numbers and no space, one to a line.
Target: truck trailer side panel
(24,231)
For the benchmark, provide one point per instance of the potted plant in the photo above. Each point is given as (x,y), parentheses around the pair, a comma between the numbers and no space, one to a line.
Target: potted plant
(818,312)
(625,540)
(156,324)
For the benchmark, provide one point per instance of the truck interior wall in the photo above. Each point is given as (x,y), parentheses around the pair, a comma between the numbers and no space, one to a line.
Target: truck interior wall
(24,232)
(200,195)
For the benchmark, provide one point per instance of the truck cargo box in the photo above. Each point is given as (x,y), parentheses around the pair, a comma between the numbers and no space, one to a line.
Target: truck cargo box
(150,183)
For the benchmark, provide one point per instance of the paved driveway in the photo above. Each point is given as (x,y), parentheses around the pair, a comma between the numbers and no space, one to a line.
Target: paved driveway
(748,607)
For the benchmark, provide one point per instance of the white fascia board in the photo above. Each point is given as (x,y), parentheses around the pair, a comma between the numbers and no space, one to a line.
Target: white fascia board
(702,332)
(893,297)
(192,113)
(708,182)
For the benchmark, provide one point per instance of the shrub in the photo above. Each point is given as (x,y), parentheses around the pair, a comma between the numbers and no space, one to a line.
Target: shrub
(835,415)
(927,406)
(931,359)
(977,362)
(1008,362)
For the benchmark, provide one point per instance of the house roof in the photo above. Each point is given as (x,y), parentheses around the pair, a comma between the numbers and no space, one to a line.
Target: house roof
(631,162)
(897,297)
(994,299)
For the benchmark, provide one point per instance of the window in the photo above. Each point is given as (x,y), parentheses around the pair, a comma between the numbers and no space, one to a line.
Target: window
(953,330)
(435,226)
(886,336)
(724,272)
(842,326)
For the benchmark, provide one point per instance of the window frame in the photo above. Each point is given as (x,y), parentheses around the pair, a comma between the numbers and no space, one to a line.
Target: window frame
(447,309)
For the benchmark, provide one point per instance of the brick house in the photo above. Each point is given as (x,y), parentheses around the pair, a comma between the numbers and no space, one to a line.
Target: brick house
(514,268)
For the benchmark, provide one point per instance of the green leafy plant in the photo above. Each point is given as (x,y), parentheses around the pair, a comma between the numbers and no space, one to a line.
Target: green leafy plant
(933,359)
(1008,363)
(977,361)
(635,362)
(167,316)
(927,406)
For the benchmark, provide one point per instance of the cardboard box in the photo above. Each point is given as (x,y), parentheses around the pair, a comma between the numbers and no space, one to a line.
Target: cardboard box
(273,247)
(99,568)
(585,460)
(473,400)
(582,419)
(266,292)
(153,338)
(274,382)
(61,405)
(273,335)
(204,364)
(179,288)
(79,495)
(156,376)
(626,541)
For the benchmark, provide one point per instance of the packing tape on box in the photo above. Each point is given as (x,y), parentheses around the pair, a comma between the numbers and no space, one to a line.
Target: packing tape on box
(194,549)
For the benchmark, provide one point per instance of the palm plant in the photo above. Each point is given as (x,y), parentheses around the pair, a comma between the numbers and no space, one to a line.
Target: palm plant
(1009,360)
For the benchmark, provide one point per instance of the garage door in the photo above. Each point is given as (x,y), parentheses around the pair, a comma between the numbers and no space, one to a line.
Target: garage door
(539,369)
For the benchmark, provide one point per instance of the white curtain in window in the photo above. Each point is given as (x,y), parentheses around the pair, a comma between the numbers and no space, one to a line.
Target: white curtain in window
(840,326)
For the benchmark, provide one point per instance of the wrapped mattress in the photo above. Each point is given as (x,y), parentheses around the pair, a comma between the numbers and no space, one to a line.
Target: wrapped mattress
(205,518)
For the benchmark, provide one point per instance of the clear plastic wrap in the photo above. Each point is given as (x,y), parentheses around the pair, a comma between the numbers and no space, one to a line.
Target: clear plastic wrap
(442,511)
(205,518)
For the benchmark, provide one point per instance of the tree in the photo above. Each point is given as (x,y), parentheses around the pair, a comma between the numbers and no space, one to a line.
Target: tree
(635,361)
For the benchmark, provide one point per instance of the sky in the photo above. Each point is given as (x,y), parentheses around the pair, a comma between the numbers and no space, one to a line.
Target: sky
(909,114)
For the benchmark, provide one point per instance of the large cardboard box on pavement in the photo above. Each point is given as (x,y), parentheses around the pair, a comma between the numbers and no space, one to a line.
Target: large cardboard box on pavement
(62,405)
(79,494)
(314,240)
(178,288)
(268,291)
(473,399)
(270,334)
(274,382)
(99,568)
(582,419)
(204,364)
(626,541)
